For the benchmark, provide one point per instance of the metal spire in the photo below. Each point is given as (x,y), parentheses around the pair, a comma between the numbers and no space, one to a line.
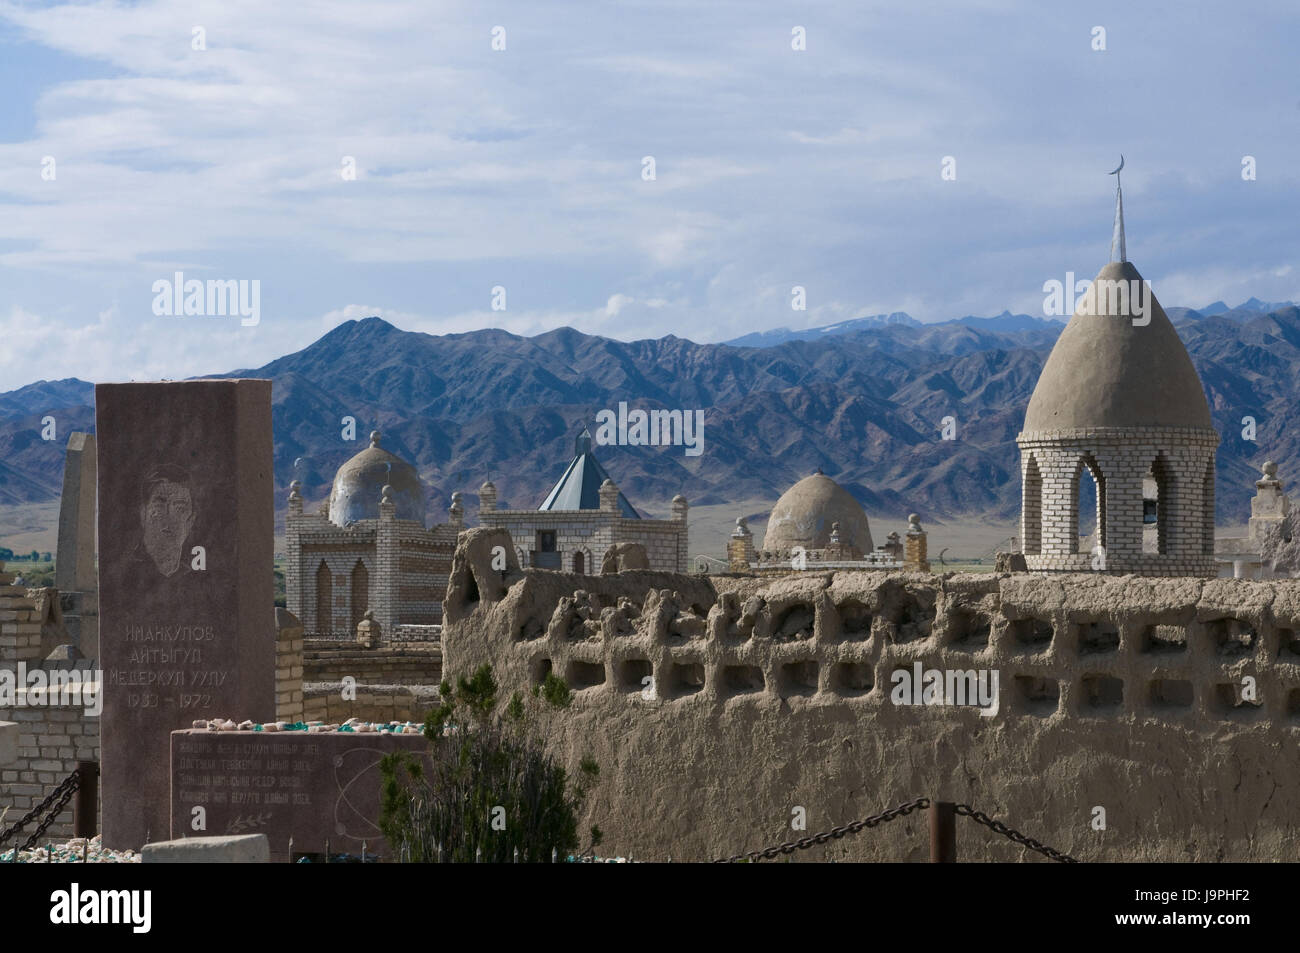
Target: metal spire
(1117,237)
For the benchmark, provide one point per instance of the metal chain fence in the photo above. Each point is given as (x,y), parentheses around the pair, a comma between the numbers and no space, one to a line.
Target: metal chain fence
(979,817)
(54,802)
(835,833)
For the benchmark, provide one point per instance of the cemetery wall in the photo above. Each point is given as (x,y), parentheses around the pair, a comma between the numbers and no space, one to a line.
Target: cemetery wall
(378,703)
(51,738)
(719,708)
(411,663)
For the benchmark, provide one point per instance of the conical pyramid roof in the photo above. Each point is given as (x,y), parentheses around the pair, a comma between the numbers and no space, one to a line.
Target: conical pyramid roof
(579,486)
(1106,371)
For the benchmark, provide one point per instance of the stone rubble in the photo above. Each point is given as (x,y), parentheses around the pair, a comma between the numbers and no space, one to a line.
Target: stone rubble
(311,727)
(71,852)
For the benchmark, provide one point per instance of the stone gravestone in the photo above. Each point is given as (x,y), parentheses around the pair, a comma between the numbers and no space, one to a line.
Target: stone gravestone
(186,586)
(314,788)
(74,568)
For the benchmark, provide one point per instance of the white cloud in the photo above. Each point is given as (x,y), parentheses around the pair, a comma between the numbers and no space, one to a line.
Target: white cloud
(774,168)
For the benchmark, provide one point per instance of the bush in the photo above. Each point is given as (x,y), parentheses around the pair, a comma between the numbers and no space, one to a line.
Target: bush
(491,788)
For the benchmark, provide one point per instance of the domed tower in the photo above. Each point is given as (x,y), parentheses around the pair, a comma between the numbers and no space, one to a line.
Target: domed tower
(805,513)
(1119,402)
(359,483)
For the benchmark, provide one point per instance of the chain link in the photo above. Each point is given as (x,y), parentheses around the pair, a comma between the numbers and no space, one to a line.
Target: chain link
(62,794)
(835,832)
(979,817)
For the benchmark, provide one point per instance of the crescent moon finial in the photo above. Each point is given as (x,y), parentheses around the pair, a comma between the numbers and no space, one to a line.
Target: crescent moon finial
(1120,166)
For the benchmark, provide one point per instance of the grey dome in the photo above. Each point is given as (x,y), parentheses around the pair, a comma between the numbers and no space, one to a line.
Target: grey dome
(1107,372)
(804,514)
(360,482)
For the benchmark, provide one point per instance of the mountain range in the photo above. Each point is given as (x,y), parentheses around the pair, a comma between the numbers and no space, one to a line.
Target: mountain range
(862,401)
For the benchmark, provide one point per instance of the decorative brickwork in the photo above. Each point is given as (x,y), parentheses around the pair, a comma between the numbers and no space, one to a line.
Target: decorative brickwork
(395,568)
(1119,459)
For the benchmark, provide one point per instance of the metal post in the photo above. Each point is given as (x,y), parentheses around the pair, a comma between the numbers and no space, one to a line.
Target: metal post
(943,832)
(85,807)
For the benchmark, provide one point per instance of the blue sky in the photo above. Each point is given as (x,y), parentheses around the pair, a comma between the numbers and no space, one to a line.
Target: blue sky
(522,168)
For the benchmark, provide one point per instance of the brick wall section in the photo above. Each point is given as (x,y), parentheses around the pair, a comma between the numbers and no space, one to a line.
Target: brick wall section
(381,703)
(288,667)
(410,663)
(51,740)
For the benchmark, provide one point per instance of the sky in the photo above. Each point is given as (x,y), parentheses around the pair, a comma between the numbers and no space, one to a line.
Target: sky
(138,140)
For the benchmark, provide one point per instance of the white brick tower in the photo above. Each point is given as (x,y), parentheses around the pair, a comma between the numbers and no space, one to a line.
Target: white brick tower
(1119,401)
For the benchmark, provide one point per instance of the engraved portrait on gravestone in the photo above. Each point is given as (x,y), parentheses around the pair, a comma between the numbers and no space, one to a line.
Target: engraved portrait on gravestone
(166,517)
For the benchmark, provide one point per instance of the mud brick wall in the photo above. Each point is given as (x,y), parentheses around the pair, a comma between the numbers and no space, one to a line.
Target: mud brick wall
(717,705)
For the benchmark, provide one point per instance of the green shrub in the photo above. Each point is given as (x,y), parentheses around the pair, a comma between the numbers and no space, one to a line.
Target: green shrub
(491,788)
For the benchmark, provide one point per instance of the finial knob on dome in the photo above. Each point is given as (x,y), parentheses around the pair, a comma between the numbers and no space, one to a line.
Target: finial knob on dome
(294,490)
(386,494)
(1270,469)
(375,437)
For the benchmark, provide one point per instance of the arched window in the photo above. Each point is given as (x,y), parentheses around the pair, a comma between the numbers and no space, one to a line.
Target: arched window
(578,565)
(1157,512)
(1031,509)
(1088,508)
(324,600)
(360,593)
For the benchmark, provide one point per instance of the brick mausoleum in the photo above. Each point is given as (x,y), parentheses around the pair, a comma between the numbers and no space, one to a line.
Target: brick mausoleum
(367,549)
(582,518)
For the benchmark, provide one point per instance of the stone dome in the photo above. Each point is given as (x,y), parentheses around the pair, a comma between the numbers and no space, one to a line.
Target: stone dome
(804,514)
(359,484)
(1105,371)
